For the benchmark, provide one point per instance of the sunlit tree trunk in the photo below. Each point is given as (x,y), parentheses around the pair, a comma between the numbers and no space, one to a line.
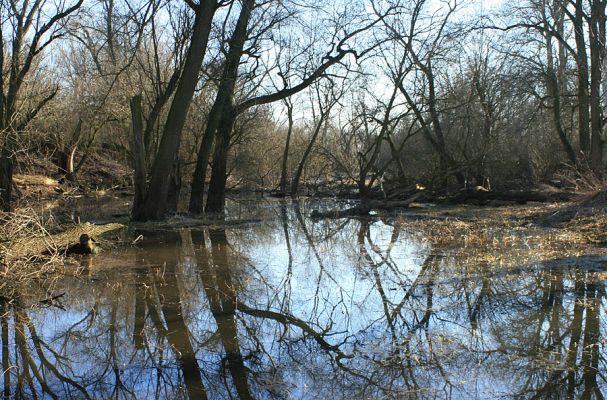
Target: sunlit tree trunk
(156,204)
(552,84)
(582,75)
(223,101)
(597,55)
(217,186)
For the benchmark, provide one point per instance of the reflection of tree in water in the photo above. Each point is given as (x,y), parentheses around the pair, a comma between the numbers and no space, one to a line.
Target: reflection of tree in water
(92,356)
(558,334)
(221,294)
(349,312)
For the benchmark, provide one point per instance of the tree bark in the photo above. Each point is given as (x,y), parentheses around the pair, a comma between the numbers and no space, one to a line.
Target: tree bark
(217,185)
(597,56)
(156,202)
(225,93)
(552,84)
(138,151)
(65,159)
(285,155)
(304,158)
(582,89)
(174,185)
(6,175)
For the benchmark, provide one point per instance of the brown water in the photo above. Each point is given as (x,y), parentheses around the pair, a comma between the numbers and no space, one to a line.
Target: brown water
(338,309)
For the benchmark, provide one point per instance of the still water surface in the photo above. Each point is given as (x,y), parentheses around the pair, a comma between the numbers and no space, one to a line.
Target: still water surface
(289,308)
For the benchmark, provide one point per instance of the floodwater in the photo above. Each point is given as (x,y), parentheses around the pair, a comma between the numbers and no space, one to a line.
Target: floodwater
(282,307)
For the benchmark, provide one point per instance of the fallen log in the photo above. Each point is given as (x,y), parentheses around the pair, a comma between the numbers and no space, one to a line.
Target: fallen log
(365,208)
(390,204)
(483,197)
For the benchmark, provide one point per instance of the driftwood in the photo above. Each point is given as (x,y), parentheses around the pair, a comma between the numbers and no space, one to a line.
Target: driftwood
(365,207)
(34,246)
(516,196)
(390,204)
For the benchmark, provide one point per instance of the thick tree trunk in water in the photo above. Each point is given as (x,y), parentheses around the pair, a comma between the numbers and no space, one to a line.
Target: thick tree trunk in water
(156,202)
(364,192)
(200,172)
(217,186)
(215,199)
(225,93)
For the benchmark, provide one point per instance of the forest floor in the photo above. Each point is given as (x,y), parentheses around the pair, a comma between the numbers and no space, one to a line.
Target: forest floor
(106,196)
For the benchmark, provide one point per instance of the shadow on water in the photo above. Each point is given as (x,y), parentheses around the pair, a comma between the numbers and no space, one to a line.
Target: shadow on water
(288,308)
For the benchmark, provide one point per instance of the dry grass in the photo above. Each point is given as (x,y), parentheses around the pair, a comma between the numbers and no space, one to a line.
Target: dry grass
(16,266)
(506,238)
(58,243)
(28,251)
(580,177)
(25,180)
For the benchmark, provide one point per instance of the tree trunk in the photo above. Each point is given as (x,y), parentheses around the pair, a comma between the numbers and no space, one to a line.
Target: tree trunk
(156,202)
(174,186)
(217,185)
(552,84)
(139,156)
(65,159)
(7,165)
(285,154)
(582,90)
(225,93)
(597,54)
(304,158)
(200,172)
(446,162)
(396,157)
(6,179)
(218,174)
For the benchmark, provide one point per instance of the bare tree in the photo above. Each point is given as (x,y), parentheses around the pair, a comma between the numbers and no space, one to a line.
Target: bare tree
(422,39)
(336,55)
(285,155)
(222,108)
(27,29)
(163,170)
(327,94)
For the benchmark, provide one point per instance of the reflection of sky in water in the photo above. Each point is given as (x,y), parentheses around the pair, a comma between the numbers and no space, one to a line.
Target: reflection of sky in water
(462,331)
(344,280)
